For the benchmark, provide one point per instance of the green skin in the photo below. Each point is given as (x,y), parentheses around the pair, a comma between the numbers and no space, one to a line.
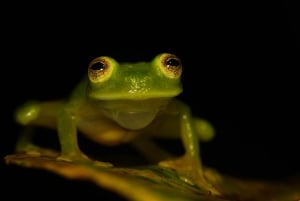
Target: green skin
(124,102)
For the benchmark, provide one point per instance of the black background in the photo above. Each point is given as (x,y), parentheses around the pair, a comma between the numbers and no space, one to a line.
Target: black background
(240,63)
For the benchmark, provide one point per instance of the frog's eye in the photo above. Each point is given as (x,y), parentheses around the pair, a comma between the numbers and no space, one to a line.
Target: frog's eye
(100,69)
(170,65)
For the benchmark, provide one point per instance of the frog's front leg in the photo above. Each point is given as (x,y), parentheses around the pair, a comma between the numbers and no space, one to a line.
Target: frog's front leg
(190,164)
(67,133)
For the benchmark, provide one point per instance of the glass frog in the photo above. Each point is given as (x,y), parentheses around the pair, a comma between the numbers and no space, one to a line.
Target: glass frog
(122,102)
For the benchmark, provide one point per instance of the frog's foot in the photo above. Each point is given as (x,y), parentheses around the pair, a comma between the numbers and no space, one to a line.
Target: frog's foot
(29,149)
(82,158)
(191,172)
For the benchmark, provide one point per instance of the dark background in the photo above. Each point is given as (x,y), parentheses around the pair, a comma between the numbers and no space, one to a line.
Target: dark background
(240,63)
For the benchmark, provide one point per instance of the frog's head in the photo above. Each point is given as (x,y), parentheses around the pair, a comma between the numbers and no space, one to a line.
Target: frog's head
(133,93)
(159,78)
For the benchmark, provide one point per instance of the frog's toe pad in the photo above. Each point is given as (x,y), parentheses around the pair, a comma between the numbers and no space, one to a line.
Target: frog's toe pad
(33,153)
(30,149)
(103,164)
(173,163)
(83,159)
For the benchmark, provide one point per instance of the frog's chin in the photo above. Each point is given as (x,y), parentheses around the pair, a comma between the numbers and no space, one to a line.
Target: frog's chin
(134,120)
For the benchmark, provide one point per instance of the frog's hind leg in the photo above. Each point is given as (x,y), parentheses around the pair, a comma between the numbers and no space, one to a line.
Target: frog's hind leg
(33,114)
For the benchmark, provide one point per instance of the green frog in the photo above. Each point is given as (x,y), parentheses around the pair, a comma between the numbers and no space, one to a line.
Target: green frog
(124,102)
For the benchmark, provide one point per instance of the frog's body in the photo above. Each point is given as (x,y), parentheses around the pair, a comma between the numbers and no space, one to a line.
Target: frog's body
(124,102)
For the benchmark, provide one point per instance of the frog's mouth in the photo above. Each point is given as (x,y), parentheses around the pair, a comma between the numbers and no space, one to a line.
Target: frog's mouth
(133,114)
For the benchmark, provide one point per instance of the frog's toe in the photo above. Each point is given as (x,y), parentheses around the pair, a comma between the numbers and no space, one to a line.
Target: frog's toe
(83,159)
(103,164)
(29,149)
(73,158)
(64,158)
(176,163)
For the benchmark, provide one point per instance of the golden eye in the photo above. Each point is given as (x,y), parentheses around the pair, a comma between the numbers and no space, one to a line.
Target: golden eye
(100,69)
(171,65)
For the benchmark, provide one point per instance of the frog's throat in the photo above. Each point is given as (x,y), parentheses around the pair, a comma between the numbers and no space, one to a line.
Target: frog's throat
(134,120)
(133,114)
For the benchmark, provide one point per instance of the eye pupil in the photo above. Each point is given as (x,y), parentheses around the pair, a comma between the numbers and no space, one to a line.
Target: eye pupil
(173,62)
(98,66)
